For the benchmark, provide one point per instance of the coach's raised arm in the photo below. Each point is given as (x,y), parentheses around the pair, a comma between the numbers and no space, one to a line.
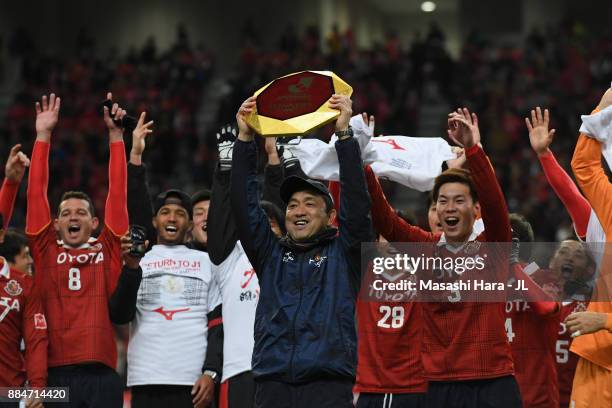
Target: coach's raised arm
(305,338)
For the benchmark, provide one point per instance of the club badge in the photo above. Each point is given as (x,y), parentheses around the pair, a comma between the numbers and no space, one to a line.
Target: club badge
(13,288)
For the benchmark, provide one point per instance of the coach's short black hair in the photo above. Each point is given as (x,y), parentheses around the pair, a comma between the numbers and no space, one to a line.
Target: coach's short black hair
(275,213)
(79,195)
(521,229)
(14,242)
(201,195)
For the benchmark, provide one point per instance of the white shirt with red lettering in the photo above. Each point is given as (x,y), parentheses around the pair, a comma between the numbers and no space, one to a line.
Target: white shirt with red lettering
(168,334)
(240,292)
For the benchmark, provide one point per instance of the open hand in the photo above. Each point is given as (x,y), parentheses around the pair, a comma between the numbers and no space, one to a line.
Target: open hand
(539,135)
(47,114)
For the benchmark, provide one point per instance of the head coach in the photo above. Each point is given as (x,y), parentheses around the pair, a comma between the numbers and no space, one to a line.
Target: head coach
(305,337)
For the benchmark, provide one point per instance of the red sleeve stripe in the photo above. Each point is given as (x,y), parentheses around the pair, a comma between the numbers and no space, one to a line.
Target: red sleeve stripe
(215,322)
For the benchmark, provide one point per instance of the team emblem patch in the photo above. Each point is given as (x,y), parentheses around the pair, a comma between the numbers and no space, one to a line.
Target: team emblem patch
(40,322)
(13,288)
(472,248)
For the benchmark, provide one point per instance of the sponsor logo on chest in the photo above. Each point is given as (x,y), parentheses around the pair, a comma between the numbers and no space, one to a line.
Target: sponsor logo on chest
(82,258)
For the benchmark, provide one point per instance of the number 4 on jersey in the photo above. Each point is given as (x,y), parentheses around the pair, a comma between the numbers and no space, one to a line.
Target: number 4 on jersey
(509,331)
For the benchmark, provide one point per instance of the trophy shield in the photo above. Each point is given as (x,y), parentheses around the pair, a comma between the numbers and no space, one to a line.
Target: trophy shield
(296,104)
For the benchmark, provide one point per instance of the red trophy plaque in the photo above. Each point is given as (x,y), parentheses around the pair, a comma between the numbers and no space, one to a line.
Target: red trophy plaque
(296,104)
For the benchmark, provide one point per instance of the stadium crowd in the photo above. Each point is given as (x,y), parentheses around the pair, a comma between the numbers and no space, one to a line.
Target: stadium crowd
(241,299)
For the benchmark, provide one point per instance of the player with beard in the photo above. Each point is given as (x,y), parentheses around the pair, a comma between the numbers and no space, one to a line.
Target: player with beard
(77,274)
(473,365)
(171,300)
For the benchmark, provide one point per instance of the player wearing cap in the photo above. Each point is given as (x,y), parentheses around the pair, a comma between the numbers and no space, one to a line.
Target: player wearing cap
(305,338)
(174,307)
(77,274)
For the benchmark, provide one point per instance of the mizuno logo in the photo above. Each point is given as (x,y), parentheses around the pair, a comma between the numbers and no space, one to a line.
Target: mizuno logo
(248,275)
(390,142)
(169,314)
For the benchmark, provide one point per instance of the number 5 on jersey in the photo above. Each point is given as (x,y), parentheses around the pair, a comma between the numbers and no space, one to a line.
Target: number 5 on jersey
(74,279)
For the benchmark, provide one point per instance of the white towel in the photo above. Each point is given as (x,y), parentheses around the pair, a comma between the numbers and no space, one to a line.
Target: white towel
(411,161)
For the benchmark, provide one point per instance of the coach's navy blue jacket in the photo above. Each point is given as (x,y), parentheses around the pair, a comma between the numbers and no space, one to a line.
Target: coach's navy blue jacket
(305,320)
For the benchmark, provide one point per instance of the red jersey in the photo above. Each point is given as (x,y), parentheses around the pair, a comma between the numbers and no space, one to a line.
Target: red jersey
(76,283)
(389,347)
(8,193)
(532,339)
(566,361)
(21,316)
(461,341)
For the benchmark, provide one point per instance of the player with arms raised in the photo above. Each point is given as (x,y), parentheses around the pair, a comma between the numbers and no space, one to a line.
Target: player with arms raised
(77,274)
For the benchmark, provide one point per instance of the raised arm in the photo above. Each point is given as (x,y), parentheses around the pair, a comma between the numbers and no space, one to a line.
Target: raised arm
(492,202)
(589,173)
(13,174)
(273,174)
(139,206)
(221,222)
(562,184)
(38,211)
(253,226)
(116,214)
(355,224)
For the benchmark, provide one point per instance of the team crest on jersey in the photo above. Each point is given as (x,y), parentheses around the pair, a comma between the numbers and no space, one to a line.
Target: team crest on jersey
(288,257)
(97,247)
(472,248)
(317,260)
(13,288)
(40,322)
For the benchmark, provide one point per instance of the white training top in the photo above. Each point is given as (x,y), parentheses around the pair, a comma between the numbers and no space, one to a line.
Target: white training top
(168,334)
(239,293)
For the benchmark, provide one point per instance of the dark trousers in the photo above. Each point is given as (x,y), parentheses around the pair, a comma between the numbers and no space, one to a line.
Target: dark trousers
(89,386)
(238,391)
(502,392)
(313,394)
(369,400)
(162,396)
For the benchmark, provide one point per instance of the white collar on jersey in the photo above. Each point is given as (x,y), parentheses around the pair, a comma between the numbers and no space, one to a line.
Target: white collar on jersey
(477,229)
(86,245)
(6,270)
